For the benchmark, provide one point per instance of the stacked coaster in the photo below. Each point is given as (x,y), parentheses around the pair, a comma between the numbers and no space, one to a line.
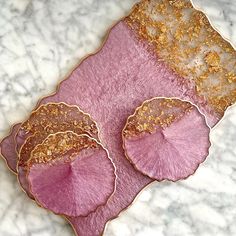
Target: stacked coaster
(61,162)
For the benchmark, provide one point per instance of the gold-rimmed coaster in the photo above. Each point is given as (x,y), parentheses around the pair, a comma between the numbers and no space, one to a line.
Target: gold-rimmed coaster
(71,174)
(166,139)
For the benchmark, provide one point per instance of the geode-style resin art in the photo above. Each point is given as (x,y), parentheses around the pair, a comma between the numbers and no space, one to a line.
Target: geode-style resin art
(138,110)
(159,139)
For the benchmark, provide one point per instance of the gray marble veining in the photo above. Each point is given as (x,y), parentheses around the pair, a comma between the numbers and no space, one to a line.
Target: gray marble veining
(40,41)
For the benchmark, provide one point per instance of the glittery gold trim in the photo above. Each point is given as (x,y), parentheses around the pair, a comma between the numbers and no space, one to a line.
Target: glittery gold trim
(185,40)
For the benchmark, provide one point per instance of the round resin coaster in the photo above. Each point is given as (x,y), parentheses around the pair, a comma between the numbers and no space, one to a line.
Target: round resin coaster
(166,138)
(56,117)
(71,174)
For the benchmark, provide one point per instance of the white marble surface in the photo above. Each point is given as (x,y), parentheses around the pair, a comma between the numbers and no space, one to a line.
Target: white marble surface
(40,41)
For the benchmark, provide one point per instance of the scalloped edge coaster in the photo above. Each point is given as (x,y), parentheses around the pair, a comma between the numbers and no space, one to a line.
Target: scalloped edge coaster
(71,174)
(166,139)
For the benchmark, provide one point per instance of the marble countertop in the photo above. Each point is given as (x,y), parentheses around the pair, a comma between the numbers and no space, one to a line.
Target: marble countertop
(40,42)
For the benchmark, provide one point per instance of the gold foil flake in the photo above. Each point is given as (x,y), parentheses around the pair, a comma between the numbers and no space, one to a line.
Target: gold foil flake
(231,77)
(213,60)
(182,35)
(53,117)
(56,146)
(180,4)
(154,114)
(78,123)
